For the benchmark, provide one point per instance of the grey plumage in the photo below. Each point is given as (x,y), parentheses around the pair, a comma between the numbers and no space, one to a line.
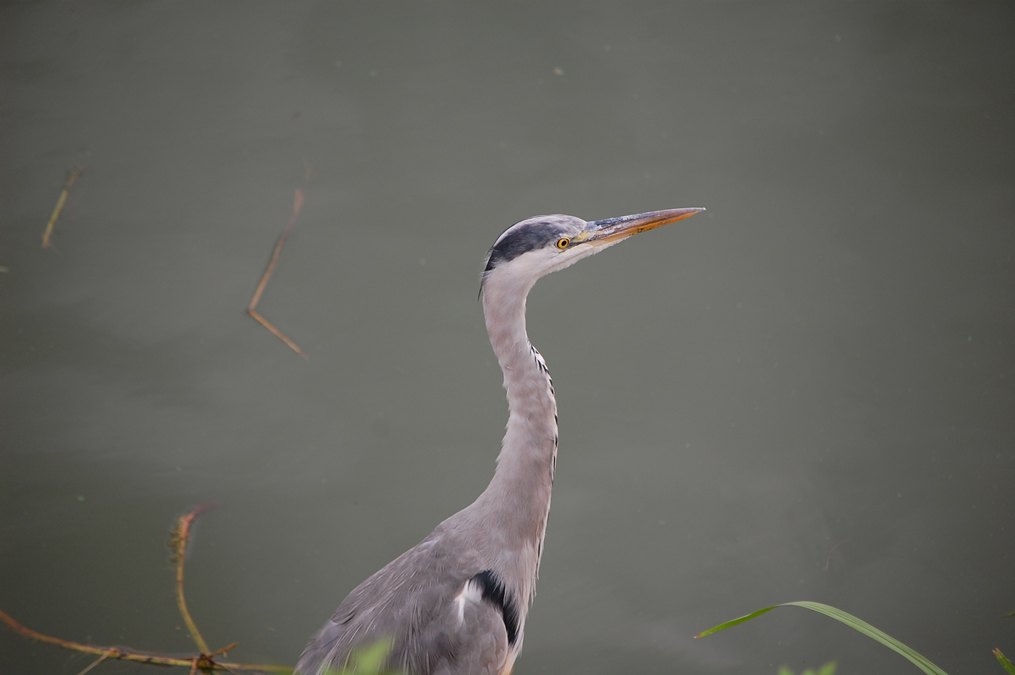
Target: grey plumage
(456,603)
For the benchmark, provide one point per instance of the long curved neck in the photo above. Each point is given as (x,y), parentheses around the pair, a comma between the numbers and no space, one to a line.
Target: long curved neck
(524,476)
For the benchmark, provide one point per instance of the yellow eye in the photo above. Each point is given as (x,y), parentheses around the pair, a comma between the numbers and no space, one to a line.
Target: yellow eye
(563,243)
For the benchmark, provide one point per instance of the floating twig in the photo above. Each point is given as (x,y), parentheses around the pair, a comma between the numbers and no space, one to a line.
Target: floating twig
(205,661)
(178,544)
(71,177)
(96,662)
(125,654)
(251,310)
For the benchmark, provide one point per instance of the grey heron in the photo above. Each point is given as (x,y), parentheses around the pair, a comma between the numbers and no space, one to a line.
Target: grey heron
(456,603)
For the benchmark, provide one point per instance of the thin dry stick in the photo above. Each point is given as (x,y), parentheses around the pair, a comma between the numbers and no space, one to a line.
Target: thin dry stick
(124,654)
(71,177)
(251,310)
(96,662)
(203,661)
(178,543)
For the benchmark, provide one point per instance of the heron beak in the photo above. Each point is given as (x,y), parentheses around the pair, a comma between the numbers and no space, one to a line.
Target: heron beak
(611,230)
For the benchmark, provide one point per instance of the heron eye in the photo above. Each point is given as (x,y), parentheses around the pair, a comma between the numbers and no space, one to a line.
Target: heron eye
(563,243)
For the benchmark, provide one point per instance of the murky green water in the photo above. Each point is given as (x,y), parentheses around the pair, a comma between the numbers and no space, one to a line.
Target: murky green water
(806,393)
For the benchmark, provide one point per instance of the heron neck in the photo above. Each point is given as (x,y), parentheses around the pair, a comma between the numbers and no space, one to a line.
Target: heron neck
(524,476)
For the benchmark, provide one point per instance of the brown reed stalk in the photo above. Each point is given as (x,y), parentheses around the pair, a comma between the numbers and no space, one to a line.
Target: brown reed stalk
(251,309)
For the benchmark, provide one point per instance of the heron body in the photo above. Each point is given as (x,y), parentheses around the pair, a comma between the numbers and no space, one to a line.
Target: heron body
(456,603)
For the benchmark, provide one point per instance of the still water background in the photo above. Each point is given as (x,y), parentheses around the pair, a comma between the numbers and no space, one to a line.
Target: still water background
(807,392)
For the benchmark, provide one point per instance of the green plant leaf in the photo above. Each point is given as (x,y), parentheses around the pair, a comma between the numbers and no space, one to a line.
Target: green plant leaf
(1005,663)
(369,660)
(734,622)
(922,662)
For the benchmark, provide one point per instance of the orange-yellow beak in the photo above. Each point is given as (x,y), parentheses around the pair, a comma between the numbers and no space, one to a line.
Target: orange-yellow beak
(614,229)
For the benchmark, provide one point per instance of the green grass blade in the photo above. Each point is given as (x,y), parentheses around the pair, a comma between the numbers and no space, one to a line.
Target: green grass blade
(856,624)
(734,622)
(1003,660)
(870,631)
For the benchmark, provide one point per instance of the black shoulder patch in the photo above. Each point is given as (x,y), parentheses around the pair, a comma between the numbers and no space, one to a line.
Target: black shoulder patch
(495,593)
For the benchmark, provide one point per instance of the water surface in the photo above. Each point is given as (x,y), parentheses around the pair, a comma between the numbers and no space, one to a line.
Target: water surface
(805,393)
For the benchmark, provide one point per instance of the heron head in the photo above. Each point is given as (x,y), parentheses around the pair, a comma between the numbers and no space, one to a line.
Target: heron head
(537,246)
